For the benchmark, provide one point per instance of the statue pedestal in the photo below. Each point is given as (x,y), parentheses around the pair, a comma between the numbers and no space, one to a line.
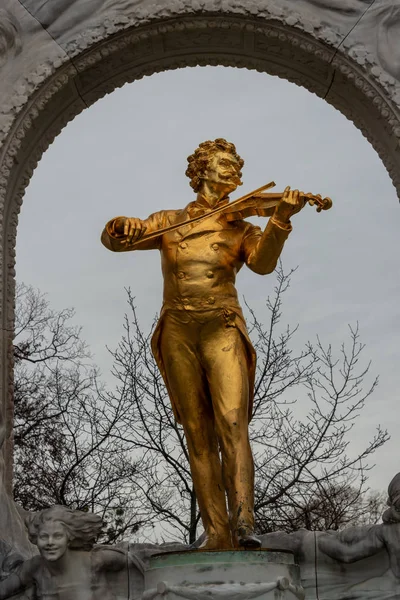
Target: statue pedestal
(230,575)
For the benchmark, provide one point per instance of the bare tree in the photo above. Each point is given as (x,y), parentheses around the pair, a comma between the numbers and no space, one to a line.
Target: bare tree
(296,458)
(65,448)
(331,507)
(164,480)
(119,451)
(373,505)
(300,459)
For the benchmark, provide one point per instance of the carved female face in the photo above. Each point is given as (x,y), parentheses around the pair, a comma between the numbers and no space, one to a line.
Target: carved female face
(52,540)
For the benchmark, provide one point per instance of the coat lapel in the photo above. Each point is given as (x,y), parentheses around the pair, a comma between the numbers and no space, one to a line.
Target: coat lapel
(214,223)
(211,224)
(208,224)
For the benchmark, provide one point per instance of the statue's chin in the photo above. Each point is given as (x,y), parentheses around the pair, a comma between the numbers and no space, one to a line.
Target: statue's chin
(52,556)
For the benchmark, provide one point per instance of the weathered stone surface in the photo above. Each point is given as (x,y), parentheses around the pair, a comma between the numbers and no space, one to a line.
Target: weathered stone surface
(69,564)
(230,575)
(10,36)
(324,577)
(14,543)
(346,25)
(356,563)
(27,55)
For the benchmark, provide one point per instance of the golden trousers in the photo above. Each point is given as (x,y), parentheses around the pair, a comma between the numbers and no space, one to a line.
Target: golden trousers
(206,369)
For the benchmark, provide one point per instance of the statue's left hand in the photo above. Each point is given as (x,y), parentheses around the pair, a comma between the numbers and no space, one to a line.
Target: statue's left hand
(292,202)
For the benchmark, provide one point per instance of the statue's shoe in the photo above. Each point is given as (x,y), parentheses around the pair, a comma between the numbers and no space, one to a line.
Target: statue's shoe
(247,539)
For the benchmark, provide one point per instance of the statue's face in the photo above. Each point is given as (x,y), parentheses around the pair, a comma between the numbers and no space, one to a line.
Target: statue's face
(222,171)
(52,540)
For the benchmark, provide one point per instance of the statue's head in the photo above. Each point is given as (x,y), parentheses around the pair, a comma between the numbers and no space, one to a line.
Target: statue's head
(56,529)
(216,162)
(392,514)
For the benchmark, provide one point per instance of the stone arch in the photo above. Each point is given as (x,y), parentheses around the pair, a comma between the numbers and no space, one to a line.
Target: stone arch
(329,51)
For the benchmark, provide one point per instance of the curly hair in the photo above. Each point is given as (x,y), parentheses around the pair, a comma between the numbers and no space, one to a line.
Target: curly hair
(82,528)
(198,161)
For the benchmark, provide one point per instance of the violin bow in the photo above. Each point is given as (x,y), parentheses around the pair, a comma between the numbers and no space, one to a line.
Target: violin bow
(155,234)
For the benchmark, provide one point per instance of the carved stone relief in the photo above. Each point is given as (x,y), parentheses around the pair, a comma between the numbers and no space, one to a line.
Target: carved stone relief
(331,20)
(366,30)
(69,564)
(10,37)
(355,563)
(30,57)
(13,539)
(385,15)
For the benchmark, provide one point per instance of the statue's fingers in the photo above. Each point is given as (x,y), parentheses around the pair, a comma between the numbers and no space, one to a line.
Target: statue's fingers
(132,230)
(286,192)
(136,235)
(139,230)
(129,234)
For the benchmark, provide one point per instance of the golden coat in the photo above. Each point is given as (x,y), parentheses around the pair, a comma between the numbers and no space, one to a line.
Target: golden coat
(199,264)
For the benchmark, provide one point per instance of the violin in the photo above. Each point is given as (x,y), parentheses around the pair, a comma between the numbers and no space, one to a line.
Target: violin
(255,203)
(263,205)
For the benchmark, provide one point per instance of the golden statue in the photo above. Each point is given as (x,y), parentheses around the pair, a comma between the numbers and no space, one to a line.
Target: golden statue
(201,343)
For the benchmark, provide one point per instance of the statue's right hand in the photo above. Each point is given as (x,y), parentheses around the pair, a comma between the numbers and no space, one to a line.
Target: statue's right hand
(134,229)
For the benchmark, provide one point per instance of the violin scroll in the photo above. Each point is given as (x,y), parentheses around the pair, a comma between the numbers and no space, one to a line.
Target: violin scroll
(321,203)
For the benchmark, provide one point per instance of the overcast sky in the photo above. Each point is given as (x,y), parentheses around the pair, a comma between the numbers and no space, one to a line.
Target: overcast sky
(127,156)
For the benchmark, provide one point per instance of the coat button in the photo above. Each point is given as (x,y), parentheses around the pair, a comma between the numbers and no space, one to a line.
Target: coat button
(181,275)
(215,247)
(183,245)
(210,274)
(211,300)
(185,301)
